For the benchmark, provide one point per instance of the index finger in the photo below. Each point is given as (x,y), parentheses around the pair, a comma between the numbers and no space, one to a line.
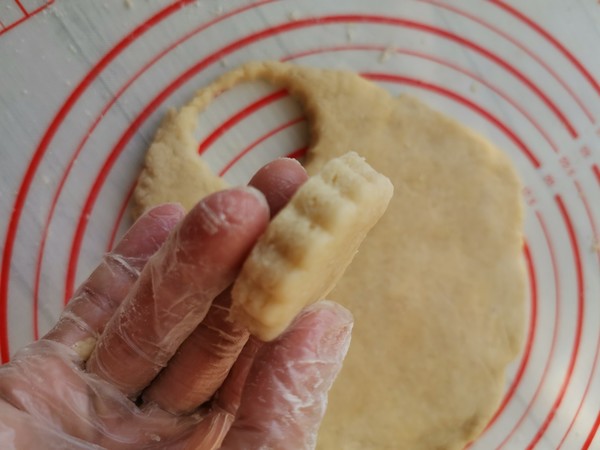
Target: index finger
(177,286)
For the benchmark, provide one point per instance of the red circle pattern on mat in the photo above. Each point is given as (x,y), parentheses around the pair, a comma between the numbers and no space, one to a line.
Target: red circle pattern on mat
(553,392)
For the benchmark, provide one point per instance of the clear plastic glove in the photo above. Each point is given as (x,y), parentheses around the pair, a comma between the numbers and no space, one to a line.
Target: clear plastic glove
(144,356)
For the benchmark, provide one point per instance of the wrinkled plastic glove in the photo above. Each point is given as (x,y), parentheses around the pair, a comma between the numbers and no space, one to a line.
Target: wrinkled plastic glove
(144,355)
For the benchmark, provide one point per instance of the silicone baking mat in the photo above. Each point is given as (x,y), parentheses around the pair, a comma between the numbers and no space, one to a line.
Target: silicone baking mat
(84,84)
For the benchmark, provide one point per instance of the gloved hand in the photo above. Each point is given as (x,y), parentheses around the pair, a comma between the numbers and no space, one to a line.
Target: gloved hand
(145,357)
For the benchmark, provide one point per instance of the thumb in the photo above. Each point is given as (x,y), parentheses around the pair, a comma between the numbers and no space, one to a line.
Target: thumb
(285,396)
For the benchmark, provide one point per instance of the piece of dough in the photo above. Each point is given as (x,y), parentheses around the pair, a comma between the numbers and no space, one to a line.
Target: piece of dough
(308,245)
(438,287)
(172,170)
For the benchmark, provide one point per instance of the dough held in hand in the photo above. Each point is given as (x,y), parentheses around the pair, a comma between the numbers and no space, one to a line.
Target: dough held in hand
(309,244)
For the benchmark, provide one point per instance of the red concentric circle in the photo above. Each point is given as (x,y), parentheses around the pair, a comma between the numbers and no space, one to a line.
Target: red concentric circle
(494,66)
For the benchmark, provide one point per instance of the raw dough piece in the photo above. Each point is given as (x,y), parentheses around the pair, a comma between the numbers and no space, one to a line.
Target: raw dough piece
(172,170)
(438,287)
(309,244)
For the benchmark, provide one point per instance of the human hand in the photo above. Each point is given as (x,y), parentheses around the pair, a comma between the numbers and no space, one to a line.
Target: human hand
(145,357)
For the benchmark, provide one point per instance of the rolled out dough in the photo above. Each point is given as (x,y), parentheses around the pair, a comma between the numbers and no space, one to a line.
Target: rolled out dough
(437,288)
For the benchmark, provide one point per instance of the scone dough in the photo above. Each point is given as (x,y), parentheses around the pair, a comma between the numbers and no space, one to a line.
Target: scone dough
(309,244)
(438,286)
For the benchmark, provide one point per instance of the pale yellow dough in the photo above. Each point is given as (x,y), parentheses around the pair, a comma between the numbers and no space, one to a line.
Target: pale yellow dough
(309,244)
(437,288)
(172,170)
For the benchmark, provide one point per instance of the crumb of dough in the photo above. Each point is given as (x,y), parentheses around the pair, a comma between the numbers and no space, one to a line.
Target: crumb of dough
(294,15)
(85,347)
(350,31)
(386,54)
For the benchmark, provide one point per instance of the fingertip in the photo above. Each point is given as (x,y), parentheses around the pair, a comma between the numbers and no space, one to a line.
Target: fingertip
(325,328)
(167,210)
(290,162)
(226,210)
(228,221)
(257,194)
(278,181)
(331,311)
(323,317)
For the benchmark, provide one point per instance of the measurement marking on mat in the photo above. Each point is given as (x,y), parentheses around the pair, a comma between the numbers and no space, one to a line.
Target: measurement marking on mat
(7,24)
